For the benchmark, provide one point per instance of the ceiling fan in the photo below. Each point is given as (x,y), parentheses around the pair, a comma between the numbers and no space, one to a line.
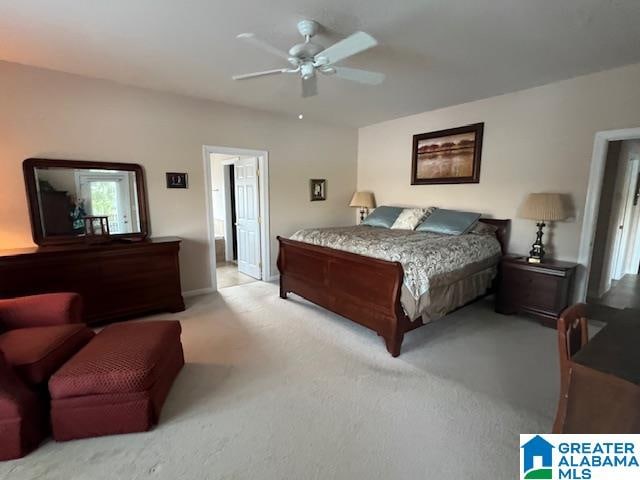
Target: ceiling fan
(308,58)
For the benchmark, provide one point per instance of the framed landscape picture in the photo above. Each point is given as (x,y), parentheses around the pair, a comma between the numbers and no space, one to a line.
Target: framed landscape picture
(447,156)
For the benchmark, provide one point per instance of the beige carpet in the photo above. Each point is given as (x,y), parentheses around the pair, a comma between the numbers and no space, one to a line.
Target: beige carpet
(277,389)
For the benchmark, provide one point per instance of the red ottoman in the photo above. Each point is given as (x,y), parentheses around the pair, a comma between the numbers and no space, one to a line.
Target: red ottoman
(118,382)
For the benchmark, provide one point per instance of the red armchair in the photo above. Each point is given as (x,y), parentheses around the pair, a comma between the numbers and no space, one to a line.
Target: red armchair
(38,334)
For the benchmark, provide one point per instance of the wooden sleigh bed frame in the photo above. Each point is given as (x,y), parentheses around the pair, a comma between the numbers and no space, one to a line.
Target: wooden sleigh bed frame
(363,289)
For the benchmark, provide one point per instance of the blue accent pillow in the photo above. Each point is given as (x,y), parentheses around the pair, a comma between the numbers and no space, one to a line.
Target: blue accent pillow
(382,217)
(449,222)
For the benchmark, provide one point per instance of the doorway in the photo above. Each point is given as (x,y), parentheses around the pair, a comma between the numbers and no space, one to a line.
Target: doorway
(237,215)
(109,194)
(613,279)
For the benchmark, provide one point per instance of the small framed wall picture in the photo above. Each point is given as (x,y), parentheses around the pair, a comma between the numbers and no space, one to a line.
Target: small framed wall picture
(318,189)
(177,180)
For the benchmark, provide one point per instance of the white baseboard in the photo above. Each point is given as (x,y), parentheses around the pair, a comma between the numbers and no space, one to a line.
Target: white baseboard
(273,278)
(195,293)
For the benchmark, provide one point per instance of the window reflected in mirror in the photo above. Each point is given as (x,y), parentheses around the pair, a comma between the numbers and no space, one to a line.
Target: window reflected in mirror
(66,196)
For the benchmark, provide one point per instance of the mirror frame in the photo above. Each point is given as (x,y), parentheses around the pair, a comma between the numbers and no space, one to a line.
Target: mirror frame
(35,214)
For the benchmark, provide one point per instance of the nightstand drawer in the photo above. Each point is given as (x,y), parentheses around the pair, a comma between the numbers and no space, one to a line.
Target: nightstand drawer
(530,289)
(542,290)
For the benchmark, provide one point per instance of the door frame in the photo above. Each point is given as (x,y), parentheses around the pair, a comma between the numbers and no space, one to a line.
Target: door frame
(263,185)
(592,203)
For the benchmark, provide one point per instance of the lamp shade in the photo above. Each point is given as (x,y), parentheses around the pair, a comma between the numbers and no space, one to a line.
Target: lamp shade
(543,206)
(363,200)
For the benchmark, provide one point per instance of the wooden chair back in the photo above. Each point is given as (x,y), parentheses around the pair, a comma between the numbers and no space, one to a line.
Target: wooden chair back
(573,334)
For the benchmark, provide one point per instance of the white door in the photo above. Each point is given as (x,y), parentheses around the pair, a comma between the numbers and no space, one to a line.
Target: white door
(248,216)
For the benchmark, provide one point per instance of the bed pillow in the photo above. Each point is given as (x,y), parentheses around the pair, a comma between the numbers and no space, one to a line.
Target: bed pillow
(449,222)
(382,217)
(410,218)
(482,228)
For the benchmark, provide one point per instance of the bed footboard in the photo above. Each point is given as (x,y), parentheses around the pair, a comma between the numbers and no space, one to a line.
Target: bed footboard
(363,289)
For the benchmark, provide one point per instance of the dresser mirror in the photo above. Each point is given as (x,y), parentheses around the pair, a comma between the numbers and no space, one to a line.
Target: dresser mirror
(65,196)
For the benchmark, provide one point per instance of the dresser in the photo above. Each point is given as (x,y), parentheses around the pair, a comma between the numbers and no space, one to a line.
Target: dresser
(541,290)
(117,280)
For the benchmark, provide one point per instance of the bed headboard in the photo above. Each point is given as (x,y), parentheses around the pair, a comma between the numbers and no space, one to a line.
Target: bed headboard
(502,233)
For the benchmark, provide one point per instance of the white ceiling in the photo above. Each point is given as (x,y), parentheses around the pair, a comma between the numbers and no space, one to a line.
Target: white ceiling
(434,52)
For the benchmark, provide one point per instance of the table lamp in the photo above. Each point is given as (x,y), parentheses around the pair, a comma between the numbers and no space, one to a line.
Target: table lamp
(542,207)
(364,201)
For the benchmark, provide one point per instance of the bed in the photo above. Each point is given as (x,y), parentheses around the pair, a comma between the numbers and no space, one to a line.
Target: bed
(390,281)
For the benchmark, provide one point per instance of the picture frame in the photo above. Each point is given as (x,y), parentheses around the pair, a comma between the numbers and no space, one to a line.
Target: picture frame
(177,180)
(318,189)
(448,156)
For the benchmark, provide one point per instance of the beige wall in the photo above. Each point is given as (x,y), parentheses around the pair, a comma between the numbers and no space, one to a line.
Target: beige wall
(55,115)
(535,140)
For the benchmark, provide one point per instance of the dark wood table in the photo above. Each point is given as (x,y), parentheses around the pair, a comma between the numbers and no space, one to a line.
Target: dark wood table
(604,385)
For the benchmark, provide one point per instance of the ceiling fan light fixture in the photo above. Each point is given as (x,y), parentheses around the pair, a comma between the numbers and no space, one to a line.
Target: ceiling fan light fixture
(307,70)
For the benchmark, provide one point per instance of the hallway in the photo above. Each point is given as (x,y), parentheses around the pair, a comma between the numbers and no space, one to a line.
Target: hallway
(625,293)
(229,276)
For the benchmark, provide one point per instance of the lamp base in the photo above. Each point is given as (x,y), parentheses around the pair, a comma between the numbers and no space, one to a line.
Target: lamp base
(536,254)
(363,212)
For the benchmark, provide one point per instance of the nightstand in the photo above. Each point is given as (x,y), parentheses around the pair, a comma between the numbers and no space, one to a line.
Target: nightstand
(541,290)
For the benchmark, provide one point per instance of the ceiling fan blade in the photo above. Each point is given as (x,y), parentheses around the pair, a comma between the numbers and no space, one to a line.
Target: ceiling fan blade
(310,87)
(356,43)
(360,76)
(260,74)
(261,44)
